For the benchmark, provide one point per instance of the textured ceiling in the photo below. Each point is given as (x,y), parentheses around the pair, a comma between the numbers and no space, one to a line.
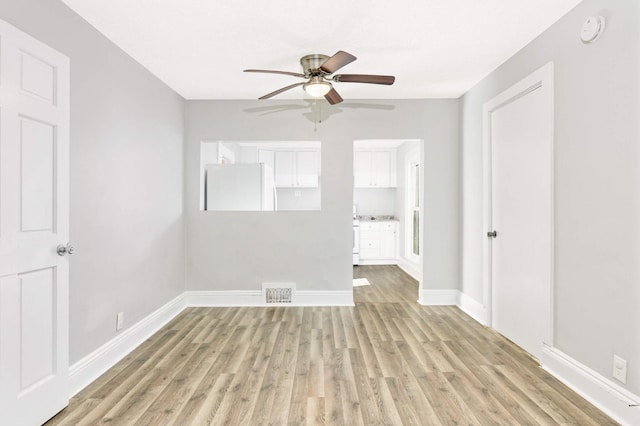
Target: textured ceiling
(435,48)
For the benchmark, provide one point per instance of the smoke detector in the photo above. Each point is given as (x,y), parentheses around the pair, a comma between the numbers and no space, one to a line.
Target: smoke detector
(592,29)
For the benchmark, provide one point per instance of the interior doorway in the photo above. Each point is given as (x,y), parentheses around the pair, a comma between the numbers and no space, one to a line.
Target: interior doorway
(519,217)
(387,200)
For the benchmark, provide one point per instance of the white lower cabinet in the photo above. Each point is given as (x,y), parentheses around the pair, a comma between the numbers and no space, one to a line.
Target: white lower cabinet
(378,241)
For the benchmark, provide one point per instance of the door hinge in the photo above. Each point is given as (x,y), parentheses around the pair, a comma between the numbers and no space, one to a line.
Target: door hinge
(492,234)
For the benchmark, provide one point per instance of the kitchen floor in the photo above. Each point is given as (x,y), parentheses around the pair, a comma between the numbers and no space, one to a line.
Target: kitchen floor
(389,284)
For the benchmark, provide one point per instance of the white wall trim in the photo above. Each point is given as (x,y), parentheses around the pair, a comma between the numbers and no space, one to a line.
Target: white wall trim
(254,298)
(442,297)
(473,308)
(92,366)
(411,268)
(614,400)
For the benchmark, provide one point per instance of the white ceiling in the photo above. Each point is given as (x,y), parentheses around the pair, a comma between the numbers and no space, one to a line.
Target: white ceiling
(435,48)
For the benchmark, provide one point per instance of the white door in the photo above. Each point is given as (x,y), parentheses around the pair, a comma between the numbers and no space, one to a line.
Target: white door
(34,196)
(521,134)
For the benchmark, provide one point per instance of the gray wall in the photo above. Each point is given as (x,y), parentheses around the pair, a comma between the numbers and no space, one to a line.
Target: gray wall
(597,187)
(240,250)
(126,177)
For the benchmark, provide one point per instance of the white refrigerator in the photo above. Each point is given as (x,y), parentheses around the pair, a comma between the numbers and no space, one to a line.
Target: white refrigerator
(240,186)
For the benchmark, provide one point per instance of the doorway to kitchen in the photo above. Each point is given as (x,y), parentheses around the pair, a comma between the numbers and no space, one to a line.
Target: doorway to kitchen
(387,216)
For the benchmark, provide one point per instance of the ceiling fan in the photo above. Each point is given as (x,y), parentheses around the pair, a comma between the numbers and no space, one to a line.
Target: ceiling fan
(318,70)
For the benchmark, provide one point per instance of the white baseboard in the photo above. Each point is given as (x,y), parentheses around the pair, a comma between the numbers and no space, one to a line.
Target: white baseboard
(473,308)
(99,361)
(410,268)
(614,400)
(254,298)
(439,297)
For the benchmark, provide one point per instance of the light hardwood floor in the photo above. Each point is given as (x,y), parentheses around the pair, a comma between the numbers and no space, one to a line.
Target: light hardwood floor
(387,360)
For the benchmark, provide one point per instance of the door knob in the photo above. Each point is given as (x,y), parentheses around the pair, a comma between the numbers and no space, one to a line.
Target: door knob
(492,234)
(68,249)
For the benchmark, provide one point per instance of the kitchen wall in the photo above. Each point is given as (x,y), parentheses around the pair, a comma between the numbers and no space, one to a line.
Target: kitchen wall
(597,186)
(240,250)
(299,199)
(375,201)
(126,177)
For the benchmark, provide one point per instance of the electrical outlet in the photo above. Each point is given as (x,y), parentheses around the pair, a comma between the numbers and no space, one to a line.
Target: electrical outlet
(620,369)
(119,320)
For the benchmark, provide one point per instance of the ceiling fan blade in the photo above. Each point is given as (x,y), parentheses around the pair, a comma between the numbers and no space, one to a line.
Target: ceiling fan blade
(333,97)
(295,74)
(337,61)
(269,95)
(364,78)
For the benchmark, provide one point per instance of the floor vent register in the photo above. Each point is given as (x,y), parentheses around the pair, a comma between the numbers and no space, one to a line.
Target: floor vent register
(278,293)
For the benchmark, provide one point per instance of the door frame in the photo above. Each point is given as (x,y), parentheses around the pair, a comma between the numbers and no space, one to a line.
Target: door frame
(541,79)
(409,160)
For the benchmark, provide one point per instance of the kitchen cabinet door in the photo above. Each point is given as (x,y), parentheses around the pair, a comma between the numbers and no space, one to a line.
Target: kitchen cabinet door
(378,242)
(374,169)
(388,242)
(362,169)
(296,169)
(380,169)
(307,169)
(285,168)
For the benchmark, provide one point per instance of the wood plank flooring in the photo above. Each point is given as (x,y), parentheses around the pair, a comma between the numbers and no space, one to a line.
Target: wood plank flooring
(385,361)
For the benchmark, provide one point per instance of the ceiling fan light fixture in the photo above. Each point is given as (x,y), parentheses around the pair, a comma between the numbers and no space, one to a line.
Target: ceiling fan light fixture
(317,88)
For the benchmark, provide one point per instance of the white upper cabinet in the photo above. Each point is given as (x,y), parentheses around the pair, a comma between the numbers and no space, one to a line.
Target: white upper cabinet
(296,169)
(374,168)
(307,168)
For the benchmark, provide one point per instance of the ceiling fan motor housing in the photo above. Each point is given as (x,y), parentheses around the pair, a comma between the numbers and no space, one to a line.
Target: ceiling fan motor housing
(311,64)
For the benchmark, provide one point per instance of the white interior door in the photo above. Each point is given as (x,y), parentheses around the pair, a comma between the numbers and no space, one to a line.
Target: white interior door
(521,132)
(34,156)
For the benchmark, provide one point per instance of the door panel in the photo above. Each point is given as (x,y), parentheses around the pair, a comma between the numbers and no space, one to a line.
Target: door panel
(34,180)
(521,208)
(37,164)
(37,326)
(38,77)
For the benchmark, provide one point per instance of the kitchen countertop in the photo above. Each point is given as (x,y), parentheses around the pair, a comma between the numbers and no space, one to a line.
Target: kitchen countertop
(379,218)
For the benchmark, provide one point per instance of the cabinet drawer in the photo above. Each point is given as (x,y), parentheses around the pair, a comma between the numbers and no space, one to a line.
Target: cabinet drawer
(368,226)
(369,243)
(369,234)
